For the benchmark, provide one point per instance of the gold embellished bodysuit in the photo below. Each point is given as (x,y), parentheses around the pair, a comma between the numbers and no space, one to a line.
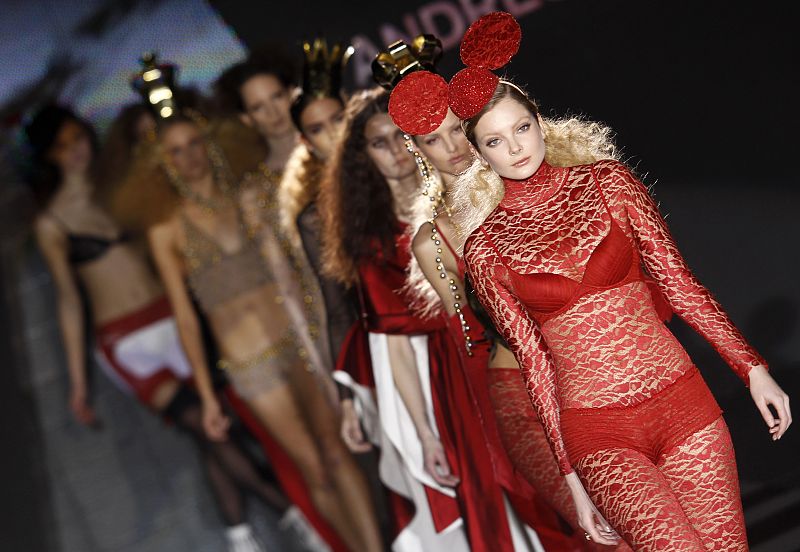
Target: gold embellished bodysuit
(239,295)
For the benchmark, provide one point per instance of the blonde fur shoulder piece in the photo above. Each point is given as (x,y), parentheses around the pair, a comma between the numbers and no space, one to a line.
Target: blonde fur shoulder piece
(473,196)
(569,141)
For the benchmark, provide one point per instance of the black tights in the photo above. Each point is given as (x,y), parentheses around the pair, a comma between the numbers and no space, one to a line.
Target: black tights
(229,468)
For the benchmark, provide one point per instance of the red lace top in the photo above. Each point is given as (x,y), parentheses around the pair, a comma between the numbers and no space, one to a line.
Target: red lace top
(559,267)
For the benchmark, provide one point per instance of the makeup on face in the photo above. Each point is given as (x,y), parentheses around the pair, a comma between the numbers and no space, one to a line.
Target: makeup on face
(447,148)
(185,150)
(510,139)
(386,147)
(266,101)
(321,124)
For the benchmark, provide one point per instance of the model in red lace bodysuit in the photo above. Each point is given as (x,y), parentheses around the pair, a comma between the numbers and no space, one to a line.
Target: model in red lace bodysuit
(619,397)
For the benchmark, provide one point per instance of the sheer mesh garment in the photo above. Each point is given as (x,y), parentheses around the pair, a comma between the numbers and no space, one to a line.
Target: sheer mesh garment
(297,289)
(245,308)
(559,267)
(341,304)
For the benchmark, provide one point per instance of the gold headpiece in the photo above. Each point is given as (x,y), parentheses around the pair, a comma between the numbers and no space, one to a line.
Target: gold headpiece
(400,59)
(323,68)
(156,83)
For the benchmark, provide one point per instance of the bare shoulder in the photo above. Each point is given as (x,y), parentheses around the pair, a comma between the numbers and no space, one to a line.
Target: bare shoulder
(422,239)
(48,232)
(163,234)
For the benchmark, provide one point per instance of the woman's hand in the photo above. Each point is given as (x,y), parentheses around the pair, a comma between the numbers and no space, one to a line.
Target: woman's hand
(436,462)
(590,520)
(766,392)
(351,432)
(81,410)
(215,422)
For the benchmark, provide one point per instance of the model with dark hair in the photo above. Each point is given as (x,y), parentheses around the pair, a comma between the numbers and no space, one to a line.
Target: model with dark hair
(318,114)
(135,335)
(364,204)
(259,90)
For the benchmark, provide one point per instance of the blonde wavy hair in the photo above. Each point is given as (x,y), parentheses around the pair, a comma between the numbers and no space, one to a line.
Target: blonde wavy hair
(569,141)
(147,197)
(299,186)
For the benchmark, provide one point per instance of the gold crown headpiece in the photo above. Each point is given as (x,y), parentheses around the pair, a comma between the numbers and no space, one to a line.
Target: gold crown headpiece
(400,59)
(156,84)
(323,68)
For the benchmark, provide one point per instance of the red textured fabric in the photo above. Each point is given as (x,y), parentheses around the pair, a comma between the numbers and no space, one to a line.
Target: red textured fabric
(491,41)
(591,339)
(470,89)
(109,334)
(689,501)
(653,427)
(606,345)
(418,104)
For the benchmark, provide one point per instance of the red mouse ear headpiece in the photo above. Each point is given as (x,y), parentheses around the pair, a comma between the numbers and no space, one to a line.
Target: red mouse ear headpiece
(489,43)
(418,104)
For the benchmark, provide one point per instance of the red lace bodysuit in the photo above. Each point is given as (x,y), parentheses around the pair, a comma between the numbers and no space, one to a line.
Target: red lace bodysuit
(559,267)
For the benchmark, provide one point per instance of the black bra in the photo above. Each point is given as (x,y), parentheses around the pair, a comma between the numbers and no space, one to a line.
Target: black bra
(84,248)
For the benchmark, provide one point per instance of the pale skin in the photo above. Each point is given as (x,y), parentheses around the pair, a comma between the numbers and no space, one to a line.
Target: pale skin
(321,123)
(266,109)
(296,413)
(386,148)
(510,140)
(117,283)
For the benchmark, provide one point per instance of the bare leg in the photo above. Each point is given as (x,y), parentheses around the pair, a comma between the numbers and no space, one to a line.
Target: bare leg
(279,413)
(231,471)
(351,485)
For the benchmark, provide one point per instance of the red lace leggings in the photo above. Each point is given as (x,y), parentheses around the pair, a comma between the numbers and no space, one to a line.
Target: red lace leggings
(526,445)
(662,472)
(660,494)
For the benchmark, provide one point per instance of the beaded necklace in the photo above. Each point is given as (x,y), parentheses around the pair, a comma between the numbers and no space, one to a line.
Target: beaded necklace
(437,199)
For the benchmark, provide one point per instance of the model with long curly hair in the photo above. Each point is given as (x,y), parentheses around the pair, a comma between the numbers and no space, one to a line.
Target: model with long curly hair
(135,335)
(560,265)
(389,354)
(215,235)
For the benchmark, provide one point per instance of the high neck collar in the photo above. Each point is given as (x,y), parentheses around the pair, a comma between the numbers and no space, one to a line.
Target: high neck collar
(537,188)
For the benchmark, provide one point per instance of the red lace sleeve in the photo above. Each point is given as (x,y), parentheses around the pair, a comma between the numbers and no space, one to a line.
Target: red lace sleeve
(489,277)
(685,294)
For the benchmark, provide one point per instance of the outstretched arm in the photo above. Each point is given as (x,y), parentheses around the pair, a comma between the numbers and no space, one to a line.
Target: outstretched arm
(689,298)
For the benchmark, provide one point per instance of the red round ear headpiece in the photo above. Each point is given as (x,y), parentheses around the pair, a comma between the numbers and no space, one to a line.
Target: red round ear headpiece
(418,104)
(488,44)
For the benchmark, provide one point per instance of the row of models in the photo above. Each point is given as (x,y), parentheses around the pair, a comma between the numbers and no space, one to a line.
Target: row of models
(486,286)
